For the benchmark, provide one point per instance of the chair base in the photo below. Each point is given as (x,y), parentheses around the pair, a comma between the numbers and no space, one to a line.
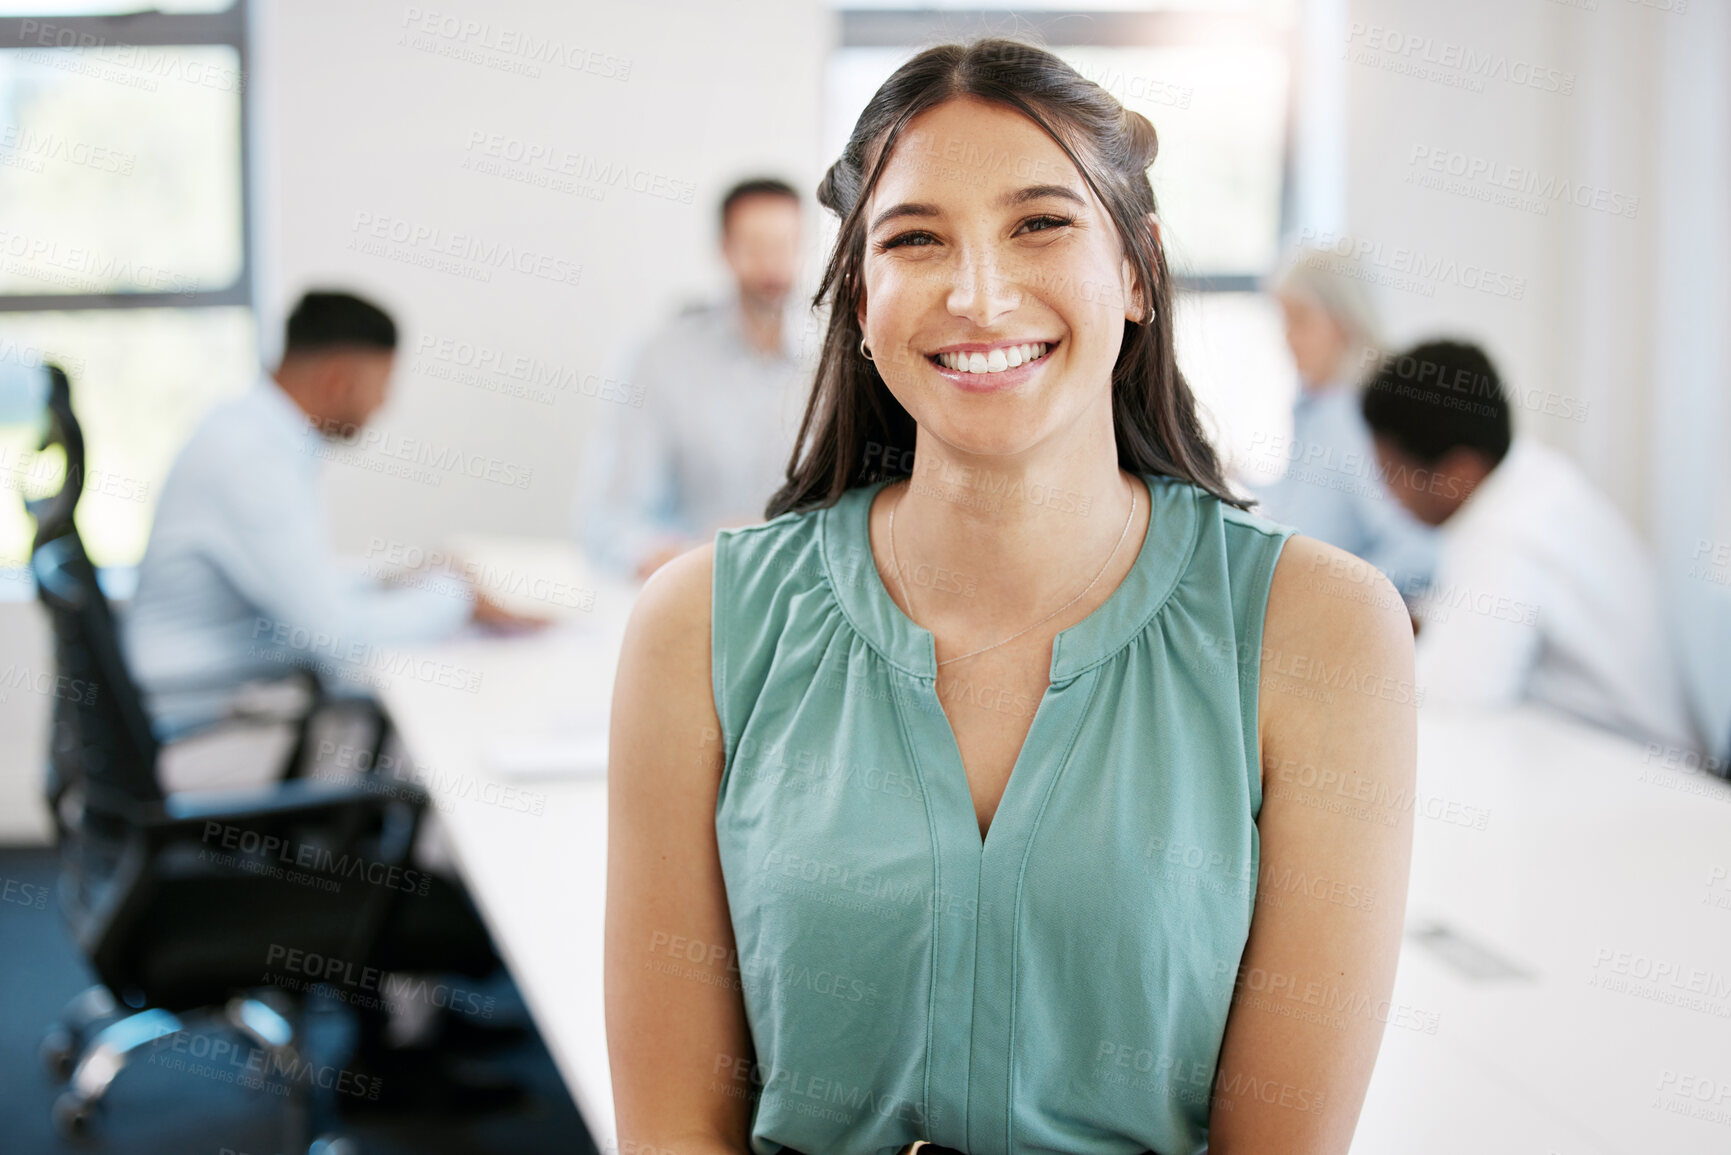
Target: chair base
(95,1064)
(63,1043)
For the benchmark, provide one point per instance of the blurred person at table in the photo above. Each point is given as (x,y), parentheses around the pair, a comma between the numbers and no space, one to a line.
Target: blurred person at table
(239,585)
(1542,592)
(239,581)
(721,396)
(1328,487)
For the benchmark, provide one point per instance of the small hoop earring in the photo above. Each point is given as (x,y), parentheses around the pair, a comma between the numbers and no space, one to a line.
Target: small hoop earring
(863,351)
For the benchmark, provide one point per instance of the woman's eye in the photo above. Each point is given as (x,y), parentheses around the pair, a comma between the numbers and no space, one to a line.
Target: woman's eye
(1044,223)
(913,238)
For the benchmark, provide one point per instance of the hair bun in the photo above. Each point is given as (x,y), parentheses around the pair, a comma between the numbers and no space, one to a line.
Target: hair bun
(1141,142)
(839,188)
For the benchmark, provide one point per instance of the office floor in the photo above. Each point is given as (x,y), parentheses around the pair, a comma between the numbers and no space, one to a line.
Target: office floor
(154,1111)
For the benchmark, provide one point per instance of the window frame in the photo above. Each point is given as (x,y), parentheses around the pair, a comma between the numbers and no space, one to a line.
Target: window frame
(152,29)
(913,28)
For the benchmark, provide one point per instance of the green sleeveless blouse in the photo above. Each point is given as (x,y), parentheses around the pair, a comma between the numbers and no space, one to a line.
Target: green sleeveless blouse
(1062,986)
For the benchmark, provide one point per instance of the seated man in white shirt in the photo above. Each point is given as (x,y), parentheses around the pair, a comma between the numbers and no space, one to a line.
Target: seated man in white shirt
(722,395)
(1543,593)
(239,581)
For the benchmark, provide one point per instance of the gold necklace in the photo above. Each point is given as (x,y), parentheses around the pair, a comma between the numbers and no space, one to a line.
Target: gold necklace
(896,567)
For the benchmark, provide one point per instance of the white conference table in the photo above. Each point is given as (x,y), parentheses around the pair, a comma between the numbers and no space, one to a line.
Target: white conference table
(1546,855)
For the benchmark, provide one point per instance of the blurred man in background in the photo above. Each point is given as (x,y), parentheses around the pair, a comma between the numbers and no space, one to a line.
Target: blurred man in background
(722,395)
(239,581)
(1542,592)
(240,585)
(1328,485)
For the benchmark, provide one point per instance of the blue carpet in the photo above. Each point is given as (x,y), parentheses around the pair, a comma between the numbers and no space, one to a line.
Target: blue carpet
(153,1109)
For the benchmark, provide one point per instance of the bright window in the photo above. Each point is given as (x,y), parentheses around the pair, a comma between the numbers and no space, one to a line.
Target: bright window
(123,242)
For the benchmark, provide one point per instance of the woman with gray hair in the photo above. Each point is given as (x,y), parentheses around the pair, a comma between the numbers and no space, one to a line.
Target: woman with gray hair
(1329,485)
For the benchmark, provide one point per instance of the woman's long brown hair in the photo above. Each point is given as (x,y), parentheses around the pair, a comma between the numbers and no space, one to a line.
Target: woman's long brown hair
(854,431)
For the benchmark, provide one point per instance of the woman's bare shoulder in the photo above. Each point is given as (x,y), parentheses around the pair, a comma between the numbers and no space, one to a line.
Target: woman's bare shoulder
(675,601)
(1326,605)
(666,646)
(1337,649)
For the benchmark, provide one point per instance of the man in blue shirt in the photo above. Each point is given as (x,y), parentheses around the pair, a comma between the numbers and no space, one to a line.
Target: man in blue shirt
(239,581)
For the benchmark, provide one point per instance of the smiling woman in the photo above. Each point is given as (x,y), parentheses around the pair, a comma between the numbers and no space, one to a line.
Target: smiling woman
(930,914)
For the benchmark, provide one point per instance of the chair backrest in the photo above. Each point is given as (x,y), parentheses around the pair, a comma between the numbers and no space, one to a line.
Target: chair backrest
(100,738)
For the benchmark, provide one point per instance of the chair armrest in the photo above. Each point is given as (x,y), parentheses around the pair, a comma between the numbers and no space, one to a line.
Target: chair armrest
(296,798)
(260,825)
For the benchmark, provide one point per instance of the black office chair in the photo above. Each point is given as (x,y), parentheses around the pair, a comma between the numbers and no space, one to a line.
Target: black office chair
(176,901)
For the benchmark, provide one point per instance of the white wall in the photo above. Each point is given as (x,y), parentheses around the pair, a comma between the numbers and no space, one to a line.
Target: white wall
(1623,314)
(360,118)
(350,118)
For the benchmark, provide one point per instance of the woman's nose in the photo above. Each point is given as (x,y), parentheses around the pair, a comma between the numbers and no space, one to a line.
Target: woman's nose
(981,289)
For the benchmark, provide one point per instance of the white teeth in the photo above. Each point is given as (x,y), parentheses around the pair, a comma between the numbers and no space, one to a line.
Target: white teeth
(999,359)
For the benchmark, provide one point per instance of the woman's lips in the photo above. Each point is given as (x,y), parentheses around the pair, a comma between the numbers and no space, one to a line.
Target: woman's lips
(991,367)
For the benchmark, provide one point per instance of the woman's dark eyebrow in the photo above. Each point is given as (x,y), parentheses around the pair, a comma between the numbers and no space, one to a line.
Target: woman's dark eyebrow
(1021,196)
(1036,192)
(905,209)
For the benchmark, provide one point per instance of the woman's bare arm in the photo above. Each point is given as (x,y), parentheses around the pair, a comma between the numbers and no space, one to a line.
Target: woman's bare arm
(677,1038)
(1338,734)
